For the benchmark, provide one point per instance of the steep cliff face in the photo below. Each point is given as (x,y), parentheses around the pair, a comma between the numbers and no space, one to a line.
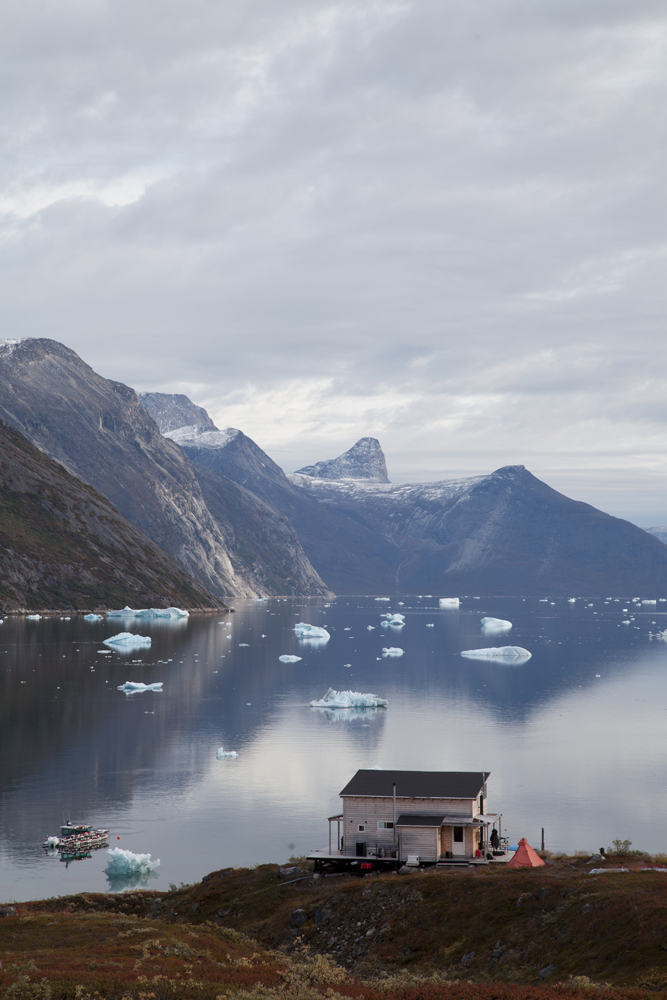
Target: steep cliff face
(172,410)
(64,546)
(364,460)
(101,433)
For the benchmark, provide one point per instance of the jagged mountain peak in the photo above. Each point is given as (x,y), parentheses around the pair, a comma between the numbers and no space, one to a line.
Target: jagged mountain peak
(171,410)
(364,460)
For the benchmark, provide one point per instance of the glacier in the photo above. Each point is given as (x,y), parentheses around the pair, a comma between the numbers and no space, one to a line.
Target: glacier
(496,625)
(392,651)
(305,631)
(349,699)
(504,654)
(287,658)
(127,612)
(127,640)
(129,687)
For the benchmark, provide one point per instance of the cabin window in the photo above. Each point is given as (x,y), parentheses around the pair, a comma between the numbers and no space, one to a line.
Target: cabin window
(458,834)
(361,828)
(383,824)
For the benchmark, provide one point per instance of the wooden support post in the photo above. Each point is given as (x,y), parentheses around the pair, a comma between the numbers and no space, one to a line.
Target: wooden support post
(543,838)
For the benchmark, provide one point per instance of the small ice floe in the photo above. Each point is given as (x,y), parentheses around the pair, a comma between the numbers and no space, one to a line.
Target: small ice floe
(244,644)
(127,612)
(223,754)
(370,628)
(504,654)
(626,621)
(128,640)
(571,600)
(383,598)
(128,863)
(34,618)
(92,618)
(259,600)
(349,699)
(496,625)
(649,602)
(430,625)
(449,603)
(392,651)
(52,842)
(305,631)
(67,619)
(287,658)
(396,621)
(130,687)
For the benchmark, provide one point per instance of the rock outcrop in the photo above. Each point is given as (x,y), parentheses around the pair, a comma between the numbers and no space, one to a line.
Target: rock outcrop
(170,410)
(364,460)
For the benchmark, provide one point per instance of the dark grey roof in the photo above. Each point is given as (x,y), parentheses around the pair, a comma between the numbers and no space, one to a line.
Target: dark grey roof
(418,784)
(414,820)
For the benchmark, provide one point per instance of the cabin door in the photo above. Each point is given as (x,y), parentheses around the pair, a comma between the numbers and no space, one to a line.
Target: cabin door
(458,841)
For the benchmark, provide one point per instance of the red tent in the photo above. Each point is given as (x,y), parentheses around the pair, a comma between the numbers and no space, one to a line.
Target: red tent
(525,857)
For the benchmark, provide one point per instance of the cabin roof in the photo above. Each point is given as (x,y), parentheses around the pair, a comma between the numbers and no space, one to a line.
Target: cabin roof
(417,784)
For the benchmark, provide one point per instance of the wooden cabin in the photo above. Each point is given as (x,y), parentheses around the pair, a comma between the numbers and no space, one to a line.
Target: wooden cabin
(413,817)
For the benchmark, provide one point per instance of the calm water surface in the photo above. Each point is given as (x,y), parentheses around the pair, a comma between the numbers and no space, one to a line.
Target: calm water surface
(582,755)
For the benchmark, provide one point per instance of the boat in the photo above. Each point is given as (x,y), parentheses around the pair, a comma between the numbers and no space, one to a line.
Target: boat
(77,838)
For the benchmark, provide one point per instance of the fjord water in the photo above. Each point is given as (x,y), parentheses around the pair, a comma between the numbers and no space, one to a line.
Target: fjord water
(575,739)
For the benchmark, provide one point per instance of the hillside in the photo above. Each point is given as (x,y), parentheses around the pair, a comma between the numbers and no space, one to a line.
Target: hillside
(63,545)
(269,933)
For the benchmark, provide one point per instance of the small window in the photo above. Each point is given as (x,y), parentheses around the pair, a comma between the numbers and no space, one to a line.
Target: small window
(383,824)
(458,834)
(361,828)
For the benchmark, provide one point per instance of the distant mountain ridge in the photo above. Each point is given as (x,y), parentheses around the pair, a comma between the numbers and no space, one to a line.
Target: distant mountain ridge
(99,430)
(506,533)
(170,410)
(63,545)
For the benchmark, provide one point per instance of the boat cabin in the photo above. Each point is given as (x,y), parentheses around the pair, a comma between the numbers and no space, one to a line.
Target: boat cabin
(414,817)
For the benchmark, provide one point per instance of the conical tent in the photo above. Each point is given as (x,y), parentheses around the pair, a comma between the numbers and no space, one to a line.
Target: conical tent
(525,857)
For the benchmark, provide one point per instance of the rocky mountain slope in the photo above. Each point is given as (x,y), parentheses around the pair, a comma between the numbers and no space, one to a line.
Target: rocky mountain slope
(101,433)
(170,410)
(507,533)
(63,545)
(659,532)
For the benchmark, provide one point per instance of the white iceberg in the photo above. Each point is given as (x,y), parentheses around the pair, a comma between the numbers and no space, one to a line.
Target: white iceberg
(244,644)
(259,600)
(34,618)
(131,686)
(496,625)
(222,754)
(370,628)
(505,654)
(127,612)
(287,658)
(392,651)
(395,619)
(127,640)
(383,598)
(128,863)
(305,631)
(449,602)
(430,625)
(92,618)
(349,699)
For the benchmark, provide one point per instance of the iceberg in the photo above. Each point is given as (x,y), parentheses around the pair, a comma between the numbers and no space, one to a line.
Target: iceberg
(496,625)
(222,754)
(92,618)
(131,686)
(395,621)
(348,714)
(286,658)
(349,699)
(127,612)
(392,651)
(34,618)
(383,598)
(259,600)
(128,863)
(504,654)
(370,628)
(449,602)
(305,631)
(127,640)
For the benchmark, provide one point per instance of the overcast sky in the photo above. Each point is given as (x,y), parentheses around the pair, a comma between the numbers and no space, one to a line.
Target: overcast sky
(438,223)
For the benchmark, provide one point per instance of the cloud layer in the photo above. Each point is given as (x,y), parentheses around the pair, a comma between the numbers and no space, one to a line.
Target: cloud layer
(439,223)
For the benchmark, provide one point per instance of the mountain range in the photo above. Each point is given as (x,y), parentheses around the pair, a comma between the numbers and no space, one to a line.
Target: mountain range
(214,504)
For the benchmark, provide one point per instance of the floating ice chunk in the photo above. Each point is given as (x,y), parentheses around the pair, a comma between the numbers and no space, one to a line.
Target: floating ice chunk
(222,754)
(449,603)
(496,625)
(34,618)
(392,651)
(127,640)
(305,631)
(52,841)
(286,658)
(572,600)
(259,600)
(244,644)
(349,699)
(383,598)
(395,618)
(348,714)
(370,628)
(507,654)
(430,625)
(127,612)
(649,602)
(128,863)
(92,618)
(626,622)
(130,686)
